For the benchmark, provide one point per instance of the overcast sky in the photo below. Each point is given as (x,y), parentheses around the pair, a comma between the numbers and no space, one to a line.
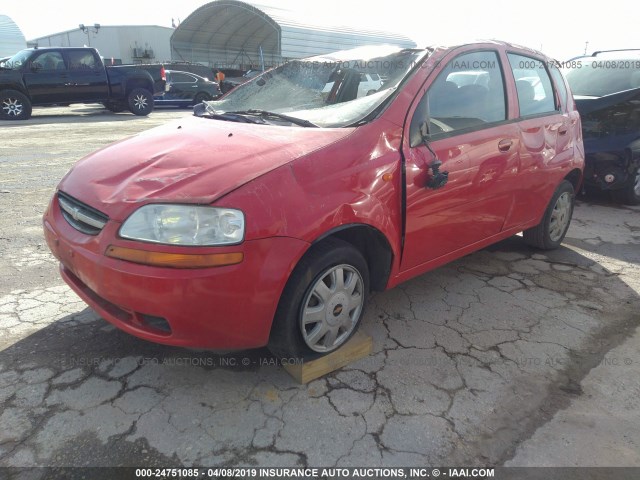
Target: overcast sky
(560,29)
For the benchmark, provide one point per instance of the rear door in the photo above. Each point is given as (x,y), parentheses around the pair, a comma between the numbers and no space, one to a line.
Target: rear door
(464,116)
(545,135)
(183,87)
(87,76)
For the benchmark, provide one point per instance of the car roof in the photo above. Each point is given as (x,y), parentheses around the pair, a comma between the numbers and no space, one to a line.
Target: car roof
(369,51)
(59,48)
(620,54)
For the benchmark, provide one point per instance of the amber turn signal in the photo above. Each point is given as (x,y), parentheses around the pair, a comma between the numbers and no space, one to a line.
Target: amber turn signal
(174,260)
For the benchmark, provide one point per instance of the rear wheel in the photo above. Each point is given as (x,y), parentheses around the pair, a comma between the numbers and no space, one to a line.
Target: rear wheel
(550,232)
(140,101)
(14,105)
(630,194)
(323,302)
(201,97)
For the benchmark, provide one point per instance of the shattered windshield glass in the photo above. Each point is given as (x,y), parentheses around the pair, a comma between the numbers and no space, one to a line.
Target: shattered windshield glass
(332,90)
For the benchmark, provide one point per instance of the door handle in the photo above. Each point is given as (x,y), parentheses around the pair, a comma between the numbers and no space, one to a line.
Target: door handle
(563,130)
(505,145)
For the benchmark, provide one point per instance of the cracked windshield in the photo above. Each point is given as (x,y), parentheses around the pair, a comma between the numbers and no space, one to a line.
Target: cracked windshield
(334,90)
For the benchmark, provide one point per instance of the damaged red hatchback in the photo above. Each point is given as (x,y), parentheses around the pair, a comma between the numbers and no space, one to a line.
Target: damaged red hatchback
(268,216)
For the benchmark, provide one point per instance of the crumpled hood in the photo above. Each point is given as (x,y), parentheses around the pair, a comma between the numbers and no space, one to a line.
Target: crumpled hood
(193,160)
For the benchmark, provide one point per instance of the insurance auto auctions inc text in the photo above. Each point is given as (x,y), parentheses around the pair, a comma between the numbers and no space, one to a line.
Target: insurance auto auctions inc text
(374,472)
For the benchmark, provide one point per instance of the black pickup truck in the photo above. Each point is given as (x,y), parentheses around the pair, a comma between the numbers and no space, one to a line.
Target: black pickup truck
(64,75)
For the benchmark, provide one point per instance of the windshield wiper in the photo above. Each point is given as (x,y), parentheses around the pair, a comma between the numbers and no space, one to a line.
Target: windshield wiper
(264,114)
(204,110)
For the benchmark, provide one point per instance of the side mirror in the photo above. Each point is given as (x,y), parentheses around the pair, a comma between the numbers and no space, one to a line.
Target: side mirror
(438,179)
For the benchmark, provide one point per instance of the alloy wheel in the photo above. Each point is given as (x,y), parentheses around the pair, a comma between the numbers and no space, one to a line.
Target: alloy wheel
(12,107)
(140,101)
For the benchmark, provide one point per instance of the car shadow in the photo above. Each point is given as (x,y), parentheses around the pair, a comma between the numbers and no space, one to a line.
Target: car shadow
(82,114)
(596,231)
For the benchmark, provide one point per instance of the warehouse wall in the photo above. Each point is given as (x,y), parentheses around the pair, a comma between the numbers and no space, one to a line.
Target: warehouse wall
(151,43)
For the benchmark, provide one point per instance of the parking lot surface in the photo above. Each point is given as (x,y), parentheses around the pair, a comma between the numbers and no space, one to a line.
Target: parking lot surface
(507,356)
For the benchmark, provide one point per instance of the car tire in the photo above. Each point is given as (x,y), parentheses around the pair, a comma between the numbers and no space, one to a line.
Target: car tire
(114,107)
(322,303)
(201,97)
(140,101)
(14,105)
(630,194)
(550,232)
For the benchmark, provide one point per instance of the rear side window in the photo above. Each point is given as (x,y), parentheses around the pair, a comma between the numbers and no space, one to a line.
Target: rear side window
(467,94)
(560,85)
(535,93)
(81,60)
(182,77)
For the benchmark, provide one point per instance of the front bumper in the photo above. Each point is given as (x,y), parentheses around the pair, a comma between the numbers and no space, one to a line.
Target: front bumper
(230,307)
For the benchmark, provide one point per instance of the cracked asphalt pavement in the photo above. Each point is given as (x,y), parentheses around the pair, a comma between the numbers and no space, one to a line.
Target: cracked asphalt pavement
(508,356)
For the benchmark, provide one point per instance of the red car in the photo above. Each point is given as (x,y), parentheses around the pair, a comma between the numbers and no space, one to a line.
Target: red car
(269,216)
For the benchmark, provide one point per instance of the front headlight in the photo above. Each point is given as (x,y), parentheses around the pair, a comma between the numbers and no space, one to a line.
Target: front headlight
(185,225)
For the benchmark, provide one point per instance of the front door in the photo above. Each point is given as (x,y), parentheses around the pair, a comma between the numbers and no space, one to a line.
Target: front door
(461,121)
(47,78)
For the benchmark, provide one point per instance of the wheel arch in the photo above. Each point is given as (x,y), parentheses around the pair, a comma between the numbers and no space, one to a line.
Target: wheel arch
(575,178)
(18,87)
(137,82)
(373,245)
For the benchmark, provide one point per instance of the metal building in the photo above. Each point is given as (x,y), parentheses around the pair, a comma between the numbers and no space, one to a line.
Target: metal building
(123,43)
(11,38)
(235,34)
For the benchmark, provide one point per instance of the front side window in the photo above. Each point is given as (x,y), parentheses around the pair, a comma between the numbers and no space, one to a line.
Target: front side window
(469,93)
(535,93)
(49,61)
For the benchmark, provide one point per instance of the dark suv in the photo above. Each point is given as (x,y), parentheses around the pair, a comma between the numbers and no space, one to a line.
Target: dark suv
(606,87)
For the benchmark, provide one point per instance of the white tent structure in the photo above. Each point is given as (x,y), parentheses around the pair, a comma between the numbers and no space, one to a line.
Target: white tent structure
(11,38)
(231,33)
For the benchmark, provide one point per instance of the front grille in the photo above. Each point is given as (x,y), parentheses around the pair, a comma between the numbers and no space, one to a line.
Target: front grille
(80,216)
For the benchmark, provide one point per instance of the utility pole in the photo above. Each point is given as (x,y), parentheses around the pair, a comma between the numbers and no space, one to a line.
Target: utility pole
(89,30)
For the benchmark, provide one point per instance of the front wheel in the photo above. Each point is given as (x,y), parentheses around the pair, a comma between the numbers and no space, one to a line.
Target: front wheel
(114,107)
(140,101)
(14,105)
(630,194)
(322,303)
(550,232)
